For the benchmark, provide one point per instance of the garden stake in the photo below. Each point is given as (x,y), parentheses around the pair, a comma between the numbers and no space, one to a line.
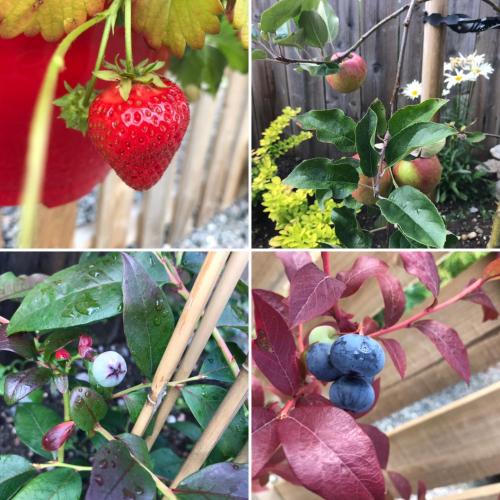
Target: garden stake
(229,279)
(202,289)
(433,52)
(230,405)
(242,457)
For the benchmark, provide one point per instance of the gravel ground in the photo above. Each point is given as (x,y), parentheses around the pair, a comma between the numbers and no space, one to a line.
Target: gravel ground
(435,401)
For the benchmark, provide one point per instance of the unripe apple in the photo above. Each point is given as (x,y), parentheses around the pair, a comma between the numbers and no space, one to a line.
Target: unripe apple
(351,75)
(365,194)
(423,174)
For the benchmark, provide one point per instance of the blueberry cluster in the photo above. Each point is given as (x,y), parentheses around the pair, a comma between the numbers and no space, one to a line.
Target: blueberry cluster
(351,363)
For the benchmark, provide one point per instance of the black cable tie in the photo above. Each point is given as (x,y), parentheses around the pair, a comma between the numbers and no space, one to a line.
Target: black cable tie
(461,23)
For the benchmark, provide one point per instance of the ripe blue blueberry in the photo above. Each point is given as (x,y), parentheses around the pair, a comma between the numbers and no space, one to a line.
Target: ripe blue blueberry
(318,362)
(109,369)
(352,393)
(357,354)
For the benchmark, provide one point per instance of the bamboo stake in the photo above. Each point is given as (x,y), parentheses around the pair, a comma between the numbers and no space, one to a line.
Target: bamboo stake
(242,457)
(235,267)
(202,289)
(230,405)
(433,54)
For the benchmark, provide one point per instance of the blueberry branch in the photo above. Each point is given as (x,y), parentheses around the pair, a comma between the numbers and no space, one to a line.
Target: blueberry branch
(49,465)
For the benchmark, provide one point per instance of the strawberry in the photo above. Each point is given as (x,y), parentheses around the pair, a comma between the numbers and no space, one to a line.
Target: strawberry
(139,132)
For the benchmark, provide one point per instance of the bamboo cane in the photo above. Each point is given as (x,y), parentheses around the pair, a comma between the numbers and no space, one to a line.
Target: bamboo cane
(230,405)
(242,457)
(202,289)
(235,267)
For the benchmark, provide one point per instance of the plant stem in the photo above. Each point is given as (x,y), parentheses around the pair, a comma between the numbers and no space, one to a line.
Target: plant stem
(38,139)
(60,451)
(325,257)
(4,321)
(430,310)
(128,36)
(48,465)
(130,389)
(104,433)
(300,338)
(224,349)
(288,406)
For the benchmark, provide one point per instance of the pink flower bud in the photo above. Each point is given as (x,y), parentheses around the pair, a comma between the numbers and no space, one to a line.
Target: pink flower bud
(85,347)
(62,354)
(57,436)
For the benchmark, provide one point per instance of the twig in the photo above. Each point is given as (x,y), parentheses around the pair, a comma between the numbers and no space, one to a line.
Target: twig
(233,401)
(496,136)
(49,465)
(202,289)
(430,310)
(345,55)
(228,282)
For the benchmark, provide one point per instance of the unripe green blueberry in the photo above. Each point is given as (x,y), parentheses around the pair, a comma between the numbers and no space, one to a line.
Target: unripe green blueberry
(109,369)
(324,333)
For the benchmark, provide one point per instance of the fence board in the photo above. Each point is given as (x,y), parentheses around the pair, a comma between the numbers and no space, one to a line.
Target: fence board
(55,226)
(275,87)
(457,443)
(488,492)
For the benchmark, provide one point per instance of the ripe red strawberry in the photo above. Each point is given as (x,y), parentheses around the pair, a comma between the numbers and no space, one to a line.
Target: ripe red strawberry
(138,137)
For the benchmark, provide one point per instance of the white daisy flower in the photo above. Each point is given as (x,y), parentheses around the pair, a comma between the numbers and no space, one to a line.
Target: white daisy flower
(486,69)
(413,90)
(456,79)
(446,92)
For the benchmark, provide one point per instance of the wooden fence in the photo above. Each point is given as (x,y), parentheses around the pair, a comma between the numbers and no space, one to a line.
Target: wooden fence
(276,86)
(459,442)
(207,175)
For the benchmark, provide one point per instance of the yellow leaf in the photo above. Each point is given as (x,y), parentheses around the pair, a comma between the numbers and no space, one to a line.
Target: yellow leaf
(53,19)
(177,23)
(240,20)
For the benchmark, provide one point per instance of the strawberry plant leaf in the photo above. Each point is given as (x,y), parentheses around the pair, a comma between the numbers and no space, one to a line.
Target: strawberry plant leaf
(480,297)
(366,135)
(265,437)
(415,113)
(57,483)
(293,261)
(219,481)
(32,421)
(413,137)
(397,354)
(380,443)
(415,215)
(273,349)
(87,408)
(49,18)
(203,401)
(448,343)
(401,484)
(19,385)
(148,321)
(176,23)
(338,176)
(15,471)
(22,343)
(258,397)
(312,293)
(331,126)
(240,20)
(423,266)
(317,436)
(126,478)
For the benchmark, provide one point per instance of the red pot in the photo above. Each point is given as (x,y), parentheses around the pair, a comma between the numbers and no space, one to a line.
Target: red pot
(74,167)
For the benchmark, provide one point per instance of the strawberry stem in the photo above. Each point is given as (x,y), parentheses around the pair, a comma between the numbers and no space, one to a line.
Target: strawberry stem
(128,36)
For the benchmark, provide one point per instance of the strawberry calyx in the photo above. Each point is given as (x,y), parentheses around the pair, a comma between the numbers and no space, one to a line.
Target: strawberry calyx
(75,107)
(144,72)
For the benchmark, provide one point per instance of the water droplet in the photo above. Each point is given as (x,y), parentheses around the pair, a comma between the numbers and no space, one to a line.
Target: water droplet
(99,480)
(87,394)
(157,321)
(103,464)
(139,490)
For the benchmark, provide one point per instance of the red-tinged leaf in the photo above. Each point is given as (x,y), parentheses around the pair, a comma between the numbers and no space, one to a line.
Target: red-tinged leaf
(312,400)
(448,343)
(422,490)
(480,297)
(283,470)
(330,454)
(380,443)
(259,483)
(274,350)
(397,354)
(423,266)
(265,438)
(312,293)
(344,323)
(293,261)
(57,436)
(364,268)
(401,484)
(394,298)
(369,326)
(275,300)
(258,397)
(21,343)
(492,270)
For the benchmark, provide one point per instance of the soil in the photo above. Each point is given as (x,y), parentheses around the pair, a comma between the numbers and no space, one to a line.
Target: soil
(473,228)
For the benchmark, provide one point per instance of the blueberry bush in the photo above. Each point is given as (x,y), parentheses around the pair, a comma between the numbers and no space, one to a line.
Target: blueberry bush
(297,432)
(76,402)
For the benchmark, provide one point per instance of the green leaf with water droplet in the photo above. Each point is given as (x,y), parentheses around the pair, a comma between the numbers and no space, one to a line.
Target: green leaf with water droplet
(20,384)
(57,484)
(147,318)
(87,408)
(203,401)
